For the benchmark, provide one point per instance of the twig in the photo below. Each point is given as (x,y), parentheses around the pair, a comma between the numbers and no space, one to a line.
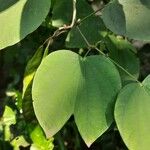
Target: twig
(86,41)
(63,29)
(73,18)
(94,47)
(74,14)
(119,66)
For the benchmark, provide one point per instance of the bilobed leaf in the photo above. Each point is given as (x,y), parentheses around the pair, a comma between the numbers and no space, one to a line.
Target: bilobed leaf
(129,18)
(132,115)
(18,18)
(66,84)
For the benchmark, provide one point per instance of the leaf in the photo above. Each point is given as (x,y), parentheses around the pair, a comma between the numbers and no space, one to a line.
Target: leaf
(31,68)
(92,28)
(39,140)
(8,119)
(63,10)
(54,90)
(19,18)
(122,52)
(9,116)
(60,18)
(146,82)
(132,115)
(18,142)
(128,18)
(94,105)
(66,83)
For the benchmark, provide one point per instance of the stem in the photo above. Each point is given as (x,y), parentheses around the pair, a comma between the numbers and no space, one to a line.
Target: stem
(88,44)
(94,47)
(87,53)
(129,74)
(73,18)
(85,39)
(74,14)
(63,29)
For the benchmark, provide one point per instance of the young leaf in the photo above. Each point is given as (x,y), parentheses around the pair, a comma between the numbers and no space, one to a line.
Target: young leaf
(18,18)
(8,118)
(132,115)
(39,140)
(129,18)
(18,142)
(66,83)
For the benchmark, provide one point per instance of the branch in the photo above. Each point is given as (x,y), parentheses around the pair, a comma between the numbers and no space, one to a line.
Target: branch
(73,18)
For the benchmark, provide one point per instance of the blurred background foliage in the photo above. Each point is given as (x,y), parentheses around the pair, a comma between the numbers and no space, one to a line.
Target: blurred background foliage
(19,129)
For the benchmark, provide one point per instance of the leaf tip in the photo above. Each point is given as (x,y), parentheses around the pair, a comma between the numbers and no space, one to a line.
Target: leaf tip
(48,135)
(88,144)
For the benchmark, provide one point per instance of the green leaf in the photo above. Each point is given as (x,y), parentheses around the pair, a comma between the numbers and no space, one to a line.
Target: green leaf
(125,55)
(63,10)
(31,68)
(39,140)
(132,115)
(146,82)
(54,90)
(60,18)
(19,18)
(66,83)
(18,142)
(8,118)
(92,28)
(95,101)
(128,18)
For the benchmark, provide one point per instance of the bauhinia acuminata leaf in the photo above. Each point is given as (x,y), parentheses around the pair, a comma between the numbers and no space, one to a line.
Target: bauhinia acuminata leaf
(67,84)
